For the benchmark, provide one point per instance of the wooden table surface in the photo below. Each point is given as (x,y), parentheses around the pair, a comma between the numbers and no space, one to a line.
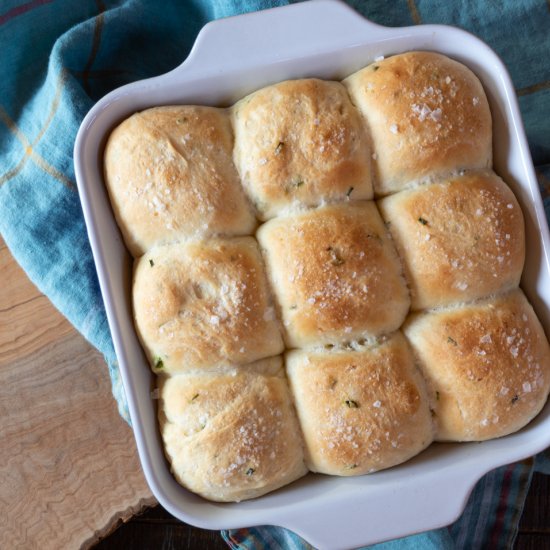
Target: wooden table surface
(69,471)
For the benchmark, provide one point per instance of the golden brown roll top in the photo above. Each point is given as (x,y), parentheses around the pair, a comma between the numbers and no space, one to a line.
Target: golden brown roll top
(329,276)
(170,175)
(335,274)
(427,116)
(360,411)
(300,142)
(459,240)
(201,303)
(487,366)
(231,435)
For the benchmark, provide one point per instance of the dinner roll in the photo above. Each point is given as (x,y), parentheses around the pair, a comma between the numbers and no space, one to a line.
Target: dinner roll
(170,175)
(335,274)
(459,240)
(360,411)
(300,141)
(201,303)
(487,365)
(427,115)
(233,434)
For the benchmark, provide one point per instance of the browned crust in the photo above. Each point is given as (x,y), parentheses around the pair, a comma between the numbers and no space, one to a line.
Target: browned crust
(487,365)
(300,141)
(202,303)
(335,274)
(427,115)
(360,411)
(232,436)
(459,240)
(170,175)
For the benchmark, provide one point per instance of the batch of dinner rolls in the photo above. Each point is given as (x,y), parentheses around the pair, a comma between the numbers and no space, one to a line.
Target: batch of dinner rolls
(327,276)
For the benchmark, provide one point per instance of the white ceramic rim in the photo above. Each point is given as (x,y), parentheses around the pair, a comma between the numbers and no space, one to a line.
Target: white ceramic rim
(230,58)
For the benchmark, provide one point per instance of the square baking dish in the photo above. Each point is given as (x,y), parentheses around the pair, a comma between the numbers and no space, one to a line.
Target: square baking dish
(231,58)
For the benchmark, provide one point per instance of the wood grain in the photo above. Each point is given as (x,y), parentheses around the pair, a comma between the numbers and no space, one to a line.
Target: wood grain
(69,470)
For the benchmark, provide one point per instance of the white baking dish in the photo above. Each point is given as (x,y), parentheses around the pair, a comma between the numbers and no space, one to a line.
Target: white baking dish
(232,57)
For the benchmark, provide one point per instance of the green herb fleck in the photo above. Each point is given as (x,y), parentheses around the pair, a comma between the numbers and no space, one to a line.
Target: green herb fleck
(350,190)
(351,467)
(181,120)
(294,185)
(452,341)
(193,398)
(151,263)
(515,398)
(159,364)
(335,258)
(437,396)
(250,471)
(293,306)
(350,403)
(279,147)
(423,221)
(375,67)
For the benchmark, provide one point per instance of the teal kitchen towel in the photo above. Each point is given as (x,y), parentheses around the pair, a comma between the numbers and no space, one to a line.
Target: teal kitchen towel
(58,57)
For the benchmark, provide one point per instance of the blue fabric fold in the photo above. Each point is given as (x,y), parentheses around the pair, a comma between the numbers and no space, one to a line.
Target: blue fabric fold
(58,57)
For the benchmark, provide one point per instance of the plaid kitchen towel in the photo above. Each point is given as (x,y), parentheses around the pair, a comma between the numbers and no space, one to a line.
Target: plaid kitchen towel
(57,57)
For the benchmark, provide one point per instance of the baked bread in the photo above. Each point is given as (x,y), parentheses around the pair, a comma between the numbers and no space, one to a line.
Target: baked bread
(300,142)
(170,176)
(459,240)
(360,410)
(487,365)
(202,303)
(233,434)
(427,115)
(335,274)
(331,273)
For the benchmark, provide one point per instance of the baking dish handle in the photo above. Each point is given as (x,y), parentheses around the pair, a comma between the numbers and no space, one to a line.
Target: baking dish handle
(275,31)
(380,519)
